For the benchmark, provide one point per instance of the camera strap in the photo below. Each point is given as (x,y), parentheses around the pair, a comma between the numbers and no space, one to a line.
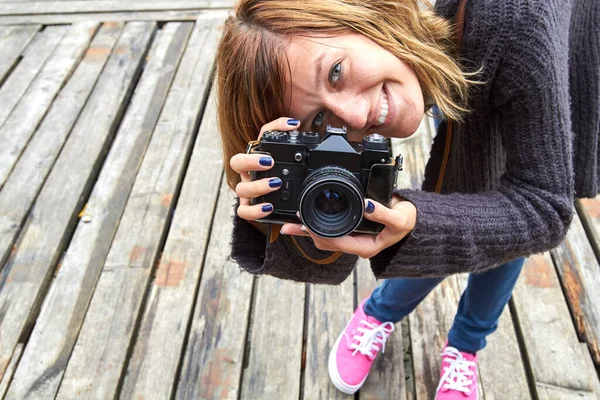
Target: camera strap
(460,22)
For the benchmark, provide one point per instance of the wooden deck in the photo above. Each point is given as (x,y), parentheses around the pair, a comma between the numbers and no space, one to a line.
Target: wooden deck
(114,232)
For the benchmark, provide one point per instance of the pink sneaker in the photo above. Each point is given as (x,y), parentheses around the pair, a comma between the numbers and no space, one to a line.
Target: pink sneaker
(458,376)
(355,350)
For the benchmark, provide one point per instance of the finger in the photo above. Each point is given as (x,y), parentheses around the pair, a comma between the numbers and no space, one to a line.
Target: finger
(362,245)
(241,163)
(280,124)
(252,213)
(377,212)
(293,229)
(257,188)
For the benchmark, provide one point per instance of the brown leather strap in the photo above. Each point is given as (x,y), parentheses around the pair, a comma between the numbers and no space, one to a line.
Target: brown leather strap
(334,256)
(460,23)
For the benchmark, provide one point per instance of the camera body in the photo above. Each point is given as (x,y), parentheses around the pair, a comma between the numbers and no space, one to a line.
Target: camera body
(325,179)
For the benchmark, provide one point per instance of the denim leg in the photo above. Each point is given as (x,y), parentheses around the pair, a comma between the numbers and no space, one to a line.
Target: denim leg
(481,305)
(396,298)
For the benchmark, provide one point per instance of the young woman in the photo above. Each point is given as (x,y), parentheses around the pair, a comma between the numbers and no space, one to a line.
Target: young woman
(500,181)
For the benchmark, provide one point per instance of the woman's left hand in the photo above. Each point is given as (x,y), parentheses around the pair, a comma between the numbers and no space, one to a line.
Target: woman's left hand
(398,220)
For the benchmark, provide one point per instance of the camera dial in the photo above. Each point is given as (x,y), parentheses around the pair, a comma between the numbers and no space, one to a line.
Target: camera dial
(374,141)
(276,136)
(310,138)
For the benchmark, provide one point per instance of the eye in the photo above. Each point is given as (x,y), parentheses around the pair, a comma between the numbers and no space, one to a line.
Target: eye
(318,120)
(335,73)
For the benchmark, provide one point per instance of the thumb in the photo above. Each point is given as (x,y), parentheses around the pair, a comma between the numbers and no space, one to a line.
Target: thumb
(375,211)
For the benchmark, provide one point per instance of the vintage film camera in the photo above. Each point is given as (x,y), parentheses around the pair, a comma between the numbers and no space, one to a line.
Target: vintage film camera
(326,179)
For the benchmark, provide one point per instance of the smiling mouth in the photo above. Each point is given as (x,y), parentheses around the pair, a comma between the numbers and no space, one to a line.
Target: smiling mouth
(383,111)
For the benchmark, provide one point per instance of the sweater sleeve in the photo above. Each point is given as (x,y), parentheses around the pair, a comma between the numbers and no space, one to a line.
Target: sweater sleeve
(531,208)
(282,259)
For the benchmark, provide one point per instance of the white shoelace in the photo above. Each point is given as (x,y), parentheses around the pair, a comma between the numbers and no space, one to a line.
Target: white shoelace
(456,375)
(371,336)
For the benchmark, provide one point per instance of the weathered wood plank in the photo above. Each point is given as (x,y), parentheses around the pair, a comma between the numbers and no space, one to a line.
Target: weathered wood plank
(275,356)
(579,272)
(387,379)
(25,277)
(555,357)
(27,114)
(53,19)
(329,309)
(68,298)
(34,58)
(589,213)
(100,355)
(56,7)
(213,355)
(30,172)
(429,325)
(153,367)
(8,375)
(13,40)
(502,372)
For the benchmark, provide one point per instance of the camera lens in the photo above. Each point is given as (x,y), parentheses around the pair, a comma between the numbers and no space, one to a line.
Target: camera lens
(331,202)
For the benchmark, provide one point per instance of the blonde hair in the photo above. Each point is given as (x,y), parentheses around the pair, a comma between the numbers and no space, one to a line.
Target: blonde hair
(252,64)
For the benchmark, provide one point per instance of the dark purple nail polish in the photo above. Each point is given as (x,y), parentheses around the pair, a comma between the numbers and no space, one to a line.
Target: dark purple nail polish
(267,208)
(275,182)
(370,207)
(265,161)
(293,122)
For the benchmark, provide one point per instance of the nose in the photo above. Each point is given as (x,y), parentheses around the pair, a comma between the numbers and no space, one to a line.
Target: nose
(352,111)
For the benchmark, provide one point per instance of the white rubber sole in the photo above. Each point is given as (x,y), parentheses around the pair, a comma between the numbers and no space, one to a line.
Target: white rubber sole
(334,375)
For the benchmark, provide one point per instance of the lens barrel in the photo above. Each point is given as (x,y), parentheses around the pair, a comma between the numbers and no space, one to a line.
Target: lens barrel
(331,202)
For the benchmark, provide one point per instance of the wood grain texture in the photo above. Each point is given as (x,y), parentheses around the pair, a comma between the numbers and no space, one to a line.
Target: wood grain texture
(275,355)
(13,40)
(32,107)
(213,355)
(589,213)
(30,172)
(429,325)
(68,298)
(556,359)
(387,379)
(329,310)
(502,373)
(33,61)
(60,7)
(53,19)
(42,242)
(579,273)
(223,297)
(10,370)
(100,355)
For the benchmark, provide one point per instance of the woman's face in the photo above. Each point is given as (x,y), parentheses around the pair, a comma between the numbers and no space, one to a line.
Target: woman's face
(350,80)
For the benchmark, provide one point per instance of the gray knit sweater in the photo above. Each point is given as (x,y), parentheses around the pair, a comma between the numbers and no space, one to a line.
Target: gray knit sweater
(516,163)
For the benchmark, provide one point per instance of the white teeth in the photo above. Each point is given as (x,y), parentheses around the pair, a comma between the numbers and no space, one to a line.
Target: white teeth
(383,112)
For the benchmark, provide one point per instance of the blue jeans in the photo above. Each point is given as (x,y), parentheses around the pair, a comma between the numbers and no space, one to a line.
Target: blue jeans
(479,309)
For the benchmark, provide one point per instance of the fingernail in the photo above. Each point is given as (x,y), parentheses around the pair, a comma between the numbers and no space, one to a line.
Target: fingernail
(293,122)
(267,208)
(275,183)
(304,228)
(266,161)
(370,207)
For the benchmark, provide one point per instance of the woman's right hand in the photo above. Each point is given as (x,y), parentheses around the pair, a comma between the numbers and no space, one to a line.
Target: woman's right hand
(244,163)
